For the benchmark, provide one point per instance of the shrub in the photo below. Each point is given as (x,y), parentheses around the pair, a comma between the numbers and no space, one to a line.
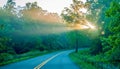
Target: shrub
(5,57)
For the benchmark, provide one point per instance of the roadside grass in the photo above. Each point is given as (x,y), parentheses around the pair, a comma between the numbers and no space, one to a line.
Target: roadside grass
(86,61)
(25,56)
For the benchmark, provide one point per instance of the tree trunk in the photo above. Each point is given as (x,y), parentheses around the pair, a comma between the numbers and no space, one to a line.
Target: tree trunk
(76,45)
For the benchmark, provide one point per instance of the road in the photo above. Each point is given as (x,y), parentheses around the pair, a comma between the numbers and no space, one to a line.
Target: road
(56,60)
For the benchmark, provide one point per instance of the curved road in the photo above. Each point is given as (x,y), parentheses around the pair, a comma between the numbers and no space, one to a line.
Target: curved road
(56,60)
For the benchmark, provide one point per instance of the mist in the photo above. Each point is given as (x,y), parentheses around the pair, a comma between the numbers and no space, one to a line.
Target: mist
(43,28)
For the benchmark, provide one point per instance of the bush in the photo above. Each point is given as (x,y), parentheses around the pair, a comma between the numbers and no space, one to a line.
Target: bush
(5,57)
(115,55)
(96,48)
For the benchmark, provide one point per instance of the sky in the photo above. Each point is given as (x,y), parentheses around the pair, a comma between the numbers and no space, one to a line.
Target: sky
(55,6)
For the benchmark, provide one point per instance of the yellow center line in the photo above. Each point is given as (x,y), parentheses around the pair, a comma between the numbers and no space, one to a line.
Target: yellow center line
(46,61)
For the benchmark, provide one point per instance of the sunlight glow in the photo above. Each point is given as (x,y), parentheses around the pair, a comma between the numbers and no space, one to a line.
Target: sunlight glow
(78,27)
(85,27)
(90,25)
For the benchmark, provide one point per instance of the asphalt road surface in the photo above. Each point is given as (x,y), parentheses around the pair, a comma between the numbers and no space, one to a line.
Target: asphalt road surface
(56,60)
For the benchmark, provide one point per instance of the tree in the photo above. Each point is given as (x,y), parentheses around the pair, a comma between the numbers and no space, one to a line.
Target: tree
(97,15)
(74,16)
(10,5)
(111,43)
(31,10)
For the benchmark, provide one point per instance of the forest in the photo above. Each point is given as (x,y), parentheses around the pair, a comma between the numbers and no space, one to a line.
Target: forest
(105,48)
(31,31)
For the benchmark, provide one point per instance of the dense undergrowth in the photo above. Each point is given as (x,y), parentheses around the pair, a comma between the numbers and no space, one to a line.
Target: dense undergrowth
(87,61)
(16,58)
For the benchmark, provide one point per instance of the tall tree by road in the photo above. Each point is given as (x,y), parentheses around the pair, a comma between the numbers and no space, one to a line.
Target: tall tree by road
(74,16)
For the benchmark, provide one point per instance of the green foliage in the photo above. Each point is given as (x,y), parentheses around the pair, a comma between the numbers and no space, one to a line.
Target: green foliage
(109,41)
(20,32)
(84,60)
(5,57)
(81,37)
(113,10)
(112,41)
(96,47)
(73,15)
(68,19)
(20,57)
(87,61)
(105,46)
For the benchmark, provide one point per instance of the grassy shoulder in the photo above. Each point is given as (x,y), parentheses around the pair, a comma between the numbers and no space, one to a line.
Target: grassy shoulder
(86,61)
(25,56)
